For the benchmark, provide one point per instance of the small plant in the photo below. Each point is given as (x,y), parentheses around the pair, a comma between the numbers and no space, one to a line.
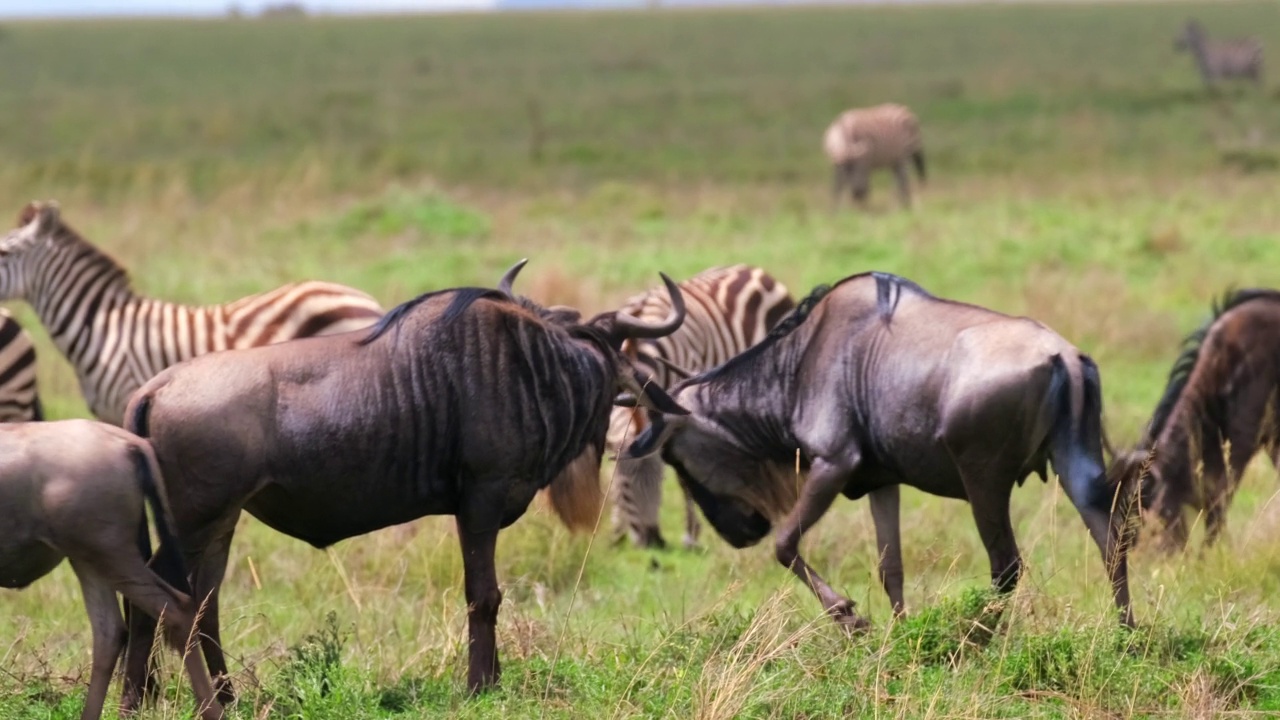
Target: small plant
(314,665)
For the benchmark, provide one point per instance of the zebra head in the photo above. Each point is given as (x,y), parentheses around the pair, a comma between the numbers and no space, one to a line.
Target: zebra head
(1192,35)
(37,222)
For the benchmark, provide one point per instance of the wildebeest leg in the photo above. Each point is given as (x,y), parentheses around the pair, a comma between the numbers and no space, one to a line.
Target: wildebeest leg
(483,600)
(990,504)
(825,482)
(148,594)
(884,512)
(139,666)
(108,637)
(207,573)
(1245,432)
(904,182)
(692,526)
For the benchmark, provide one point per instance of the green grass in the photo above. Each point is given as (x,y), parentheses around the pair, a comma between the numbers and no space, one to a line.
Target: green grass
(1079,174)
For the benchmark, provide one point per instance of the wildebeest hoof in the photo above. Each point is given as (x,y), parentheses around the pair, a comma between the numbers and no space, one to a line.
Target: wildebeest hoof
(844,615)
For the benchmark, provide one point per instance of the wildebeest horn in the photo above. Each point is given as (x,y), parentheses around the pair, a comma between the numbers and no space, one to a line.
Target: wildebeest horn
(647,394)
(683,373)
(627,326)
(510,277)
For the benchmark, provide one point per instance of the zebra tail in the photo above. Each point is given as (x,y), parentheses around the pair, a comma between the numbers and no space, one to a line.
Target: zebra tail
(917,158)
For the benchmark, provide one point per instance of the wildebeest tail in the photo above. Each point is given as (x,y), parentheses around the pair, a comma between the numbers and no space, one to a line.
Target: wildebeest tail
(917,159)
(168,563)
(575,493)
(1075,441)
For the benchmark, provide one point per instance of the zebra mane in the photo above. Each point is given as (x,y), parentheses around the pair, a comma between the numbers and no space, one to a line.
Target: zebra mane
(1182,368)
(63,234)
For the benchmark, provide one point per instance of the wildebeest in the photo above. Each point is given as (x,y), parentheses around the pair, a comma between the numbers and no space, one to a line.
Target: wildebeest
(462,402)
(729,310)
(1222,389)
(874,383)
(1221,59)
(864,139)
(75,489)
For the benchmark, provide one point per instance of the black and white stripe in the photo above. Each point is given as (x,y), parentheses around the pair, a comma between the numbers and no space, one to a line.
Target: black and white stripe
(729,310)
(1221,59)
(116,339)
(865,139)
(19,401)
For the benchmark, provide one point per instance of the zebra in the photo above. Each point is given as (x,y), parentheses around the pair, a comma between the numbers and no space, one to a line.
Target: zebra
(116,339)
(19,401)
(1221,59)
(864,139)
(729,310)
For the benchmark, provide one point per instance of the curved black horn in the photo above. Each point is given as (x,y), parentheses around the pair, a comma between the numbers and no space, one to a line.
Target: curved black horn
(629,327)
(510,277)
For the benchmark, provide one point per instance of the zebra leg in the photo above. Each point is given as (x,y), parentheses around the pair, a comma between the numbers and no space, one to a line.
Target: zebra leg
(638,498)
(904,182)
(692,526)
(839,174)
(860,183)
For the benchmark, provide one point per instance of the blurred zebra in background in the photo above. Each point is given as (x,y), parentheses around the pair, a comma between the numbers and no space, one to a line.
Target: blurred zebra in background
(865,139)
(1221,59)
(729,310)
(19,401)
(116,339)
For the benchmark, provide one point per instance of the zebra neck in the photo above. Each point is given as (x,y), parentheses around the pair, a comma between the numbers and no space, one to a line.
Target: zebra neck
(1200,49)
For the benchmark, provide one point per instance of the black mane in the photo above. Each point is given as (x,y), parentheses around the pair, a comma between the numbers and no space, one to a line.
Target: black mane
(464,298)
(1190,355)
(889,289)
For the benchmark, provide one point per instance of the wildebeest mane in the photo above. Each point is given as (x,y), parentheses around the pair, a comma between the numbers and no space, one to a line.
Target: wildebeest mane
(1180,374)
(889,289)
(463,299)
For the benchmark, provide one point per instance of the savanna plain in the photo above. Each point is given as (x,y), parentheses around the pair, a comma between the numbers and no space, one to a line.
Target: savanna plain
(1079,174)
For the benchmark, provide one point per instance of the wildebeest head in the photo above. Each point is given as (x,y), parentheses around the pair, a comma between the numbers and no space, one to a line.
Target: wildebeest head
(1159,500)
(611,330)
(740,494)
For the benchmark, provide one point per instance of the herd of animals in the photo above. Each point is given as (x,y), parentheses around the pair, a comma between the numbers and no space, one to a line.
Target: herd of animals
(328,418)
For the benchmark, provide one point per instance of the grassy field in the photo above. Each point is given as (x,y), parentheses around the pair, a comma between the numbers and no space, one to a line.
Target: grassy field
(1080,174)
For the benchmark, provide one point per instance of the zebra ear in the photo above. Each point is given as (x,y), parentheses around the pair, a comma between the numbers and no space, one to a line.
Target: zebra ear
(28,213)
(48,217)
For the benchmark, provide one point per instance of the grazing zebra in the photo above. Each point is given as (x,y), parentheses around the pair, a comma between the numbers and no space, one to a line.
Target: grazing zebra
(864,139)
(18,399)
(1221,59)
(116,339)
(729,310)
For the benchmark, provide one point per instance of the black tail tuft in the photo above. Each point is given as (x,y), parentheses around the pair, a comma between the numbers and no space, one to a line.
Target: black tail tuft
(168,562)
(1076,439)
(917,158)
(37,410)
(138,422)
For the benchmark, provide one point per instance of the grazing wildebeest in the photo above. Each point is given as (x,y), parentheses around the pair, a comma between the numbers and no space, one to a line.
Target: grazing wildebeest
(729,310)
(1222,389)
(864,139)
(1221,59)
(874,383)
(75,489)
(462,402)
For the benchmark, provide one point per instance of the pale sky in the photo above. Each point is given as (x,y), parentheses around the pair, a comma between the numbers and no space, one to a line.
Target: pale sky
(67,8)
